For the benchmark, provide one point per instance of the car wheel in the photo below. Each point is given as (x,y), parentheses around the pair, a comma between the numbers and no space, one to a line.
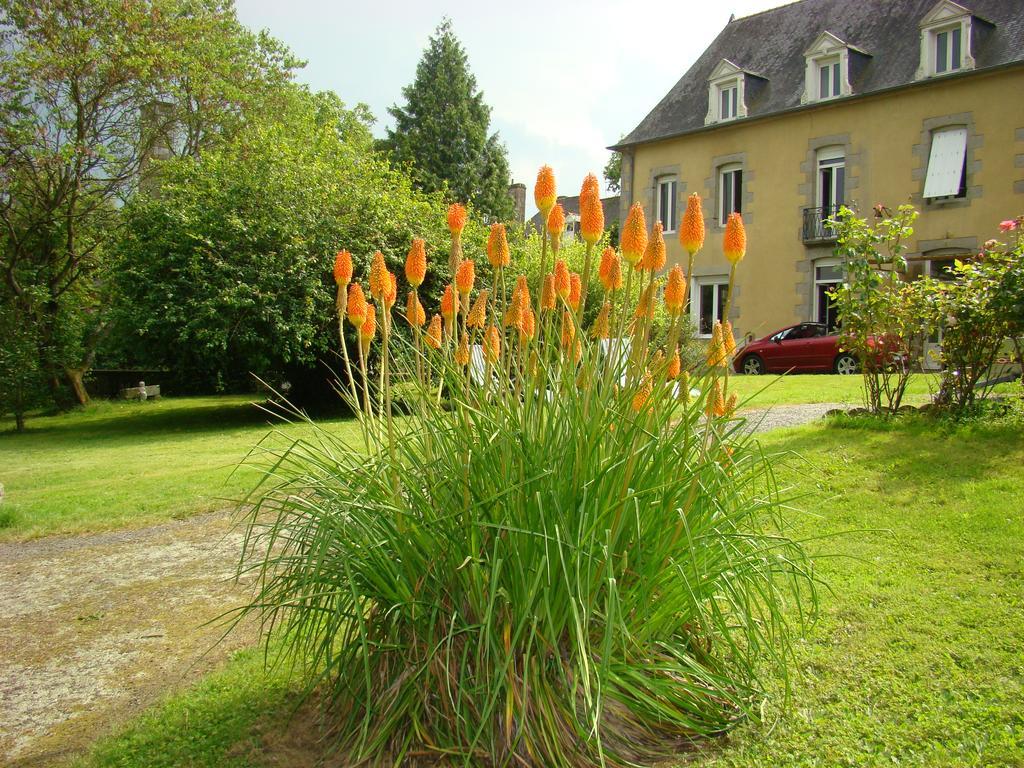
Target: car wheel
(846,364)
(753,365)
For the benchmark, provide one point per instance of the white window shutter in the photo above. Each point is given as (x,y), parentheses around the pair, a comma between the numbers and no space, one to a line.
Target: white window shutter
(946,163)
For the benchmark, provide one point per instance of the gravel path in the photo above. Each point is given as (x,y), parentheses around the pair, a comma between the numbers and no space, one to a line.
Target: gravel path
(779,416)
(93,629)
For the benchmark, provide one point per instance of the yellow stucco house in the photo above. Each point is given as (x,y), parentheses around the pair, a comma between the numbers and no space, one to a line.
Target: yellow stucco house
(792,112)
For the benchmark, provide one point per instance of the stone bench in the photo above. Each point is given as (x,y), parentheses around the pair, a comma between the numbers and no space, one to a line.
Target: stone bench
(141,393)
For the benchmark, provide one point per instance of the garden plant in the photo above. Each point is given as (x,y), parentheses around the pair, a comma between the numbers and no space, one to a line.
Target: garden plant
(569,553)
(979,310)
(883,317)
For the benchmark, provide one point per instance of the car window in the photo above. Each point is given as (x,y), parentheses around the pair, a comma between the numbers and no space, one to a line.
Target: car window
(786,334)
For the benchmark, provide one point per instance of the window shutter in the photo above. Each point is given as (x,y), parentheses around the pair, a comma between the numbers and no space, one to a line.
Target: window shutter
(946,163)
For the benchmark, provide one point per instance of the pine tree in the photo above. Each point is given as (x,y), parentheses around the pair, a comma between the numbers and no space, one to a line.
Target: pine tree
(443,130)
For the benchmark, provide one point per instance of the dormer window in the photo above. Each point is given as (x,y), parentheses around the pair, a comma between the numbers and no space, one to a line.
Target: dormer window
(945,40)
(828,69)
(728,100)
(829,80)
(727,91)
(948,50)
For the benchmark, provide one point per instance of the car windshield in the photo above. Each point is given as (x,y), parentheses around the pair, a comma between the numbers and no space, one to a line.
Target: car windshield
(802,331)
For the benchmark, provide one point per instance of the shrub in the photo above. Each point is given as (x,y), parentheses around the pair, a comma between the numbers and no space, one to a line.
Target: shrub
(571,561)
(883,318)
(979,309)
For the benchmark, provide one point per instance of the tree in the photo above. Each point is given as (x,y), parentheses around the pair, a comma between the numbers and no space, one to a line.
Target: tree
(613,172)
(90,90)
(227,271)
(21,381)
(442,132)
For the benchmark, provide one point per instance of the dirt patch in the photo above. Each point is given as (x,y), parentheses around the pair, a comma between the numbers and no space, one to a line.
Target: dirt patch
(95,628)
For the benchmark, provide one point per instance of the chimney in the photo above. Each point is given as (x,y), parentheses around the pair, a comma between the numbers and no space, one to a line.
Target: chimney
(517,192)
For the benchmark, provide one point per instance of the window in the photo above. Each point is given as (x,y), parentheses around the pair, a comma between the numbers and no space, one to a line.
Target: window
(827,68)
(945,40)
(667,204)
(828,79)
(947,164)
(828,274)
(712,293)
(948,51)
(728,101)
(730,192)
(831,180)
(726,93)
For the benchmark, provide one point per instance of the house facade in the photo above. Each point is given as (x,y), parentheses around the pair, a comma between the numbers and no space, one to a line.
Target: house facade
(793,112)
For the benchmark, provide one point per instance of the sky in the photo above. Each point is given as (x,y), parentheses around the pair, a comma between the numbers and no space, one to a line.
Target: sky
(564,79)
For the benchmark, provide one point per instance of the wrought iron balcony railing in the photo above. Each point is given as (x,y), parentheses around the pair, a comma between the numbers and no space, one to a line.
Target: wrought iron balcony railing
(815,228)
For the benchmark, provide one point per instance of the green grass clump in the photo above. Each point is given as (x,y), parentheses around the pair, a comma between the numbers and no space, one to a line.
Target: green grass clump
(558,577)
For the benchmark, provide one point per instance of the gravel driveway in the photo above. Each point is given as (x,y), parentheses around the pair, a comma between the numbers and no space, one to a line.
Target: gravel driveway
(93,629)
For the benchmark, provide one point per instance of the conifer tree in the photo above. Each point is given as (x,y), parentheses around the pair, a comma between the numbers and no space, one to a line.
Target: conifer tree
(443,131)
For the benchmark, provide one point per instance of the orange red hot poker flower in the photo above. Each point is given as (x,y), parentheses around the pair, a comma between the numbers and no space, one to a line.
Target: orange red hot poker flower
(448,303)
(391,292)
(556,226)
(633,240)
(416,263)
(591,211)
(610,271)
(462,353)
(414,310)
(368,328)
(527,324)
(562,281)
(548,296)
(356,305)
(465,276)
(497,247)
(691,230)
(728,339)
(544,190)
(477,317)
(734,242)
(654,254)
(575,291)
(492,345)
(378,275)
(675,291)
(433,335)
(343,268)
(456,219)
(675,365)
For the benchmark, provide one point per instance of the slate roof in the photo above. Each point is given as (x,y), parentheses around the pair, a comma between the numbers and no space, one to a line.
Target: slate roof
(571,205)
(771,44)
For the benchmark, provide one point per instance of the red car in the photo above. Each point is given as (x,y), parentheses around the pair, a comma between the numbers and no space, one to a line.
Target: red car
(803,348)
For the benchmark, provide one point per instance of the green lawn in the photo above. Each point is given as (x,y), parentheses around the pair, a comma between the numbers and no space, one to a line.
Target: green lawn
(762,391)
(116,463)
(915,661)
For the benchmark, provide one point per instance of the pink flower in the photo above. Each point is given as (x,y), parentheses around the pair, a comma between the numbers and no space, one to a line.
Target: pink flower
(1008,226)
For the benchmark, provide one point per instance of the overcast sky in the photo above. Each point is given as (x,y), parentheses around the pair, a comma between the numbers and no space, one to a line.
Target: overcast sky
(564,79)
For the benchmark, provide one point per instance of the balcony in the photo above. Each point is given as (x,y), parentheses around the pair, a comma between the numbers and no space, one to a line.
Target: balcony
(815,230)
